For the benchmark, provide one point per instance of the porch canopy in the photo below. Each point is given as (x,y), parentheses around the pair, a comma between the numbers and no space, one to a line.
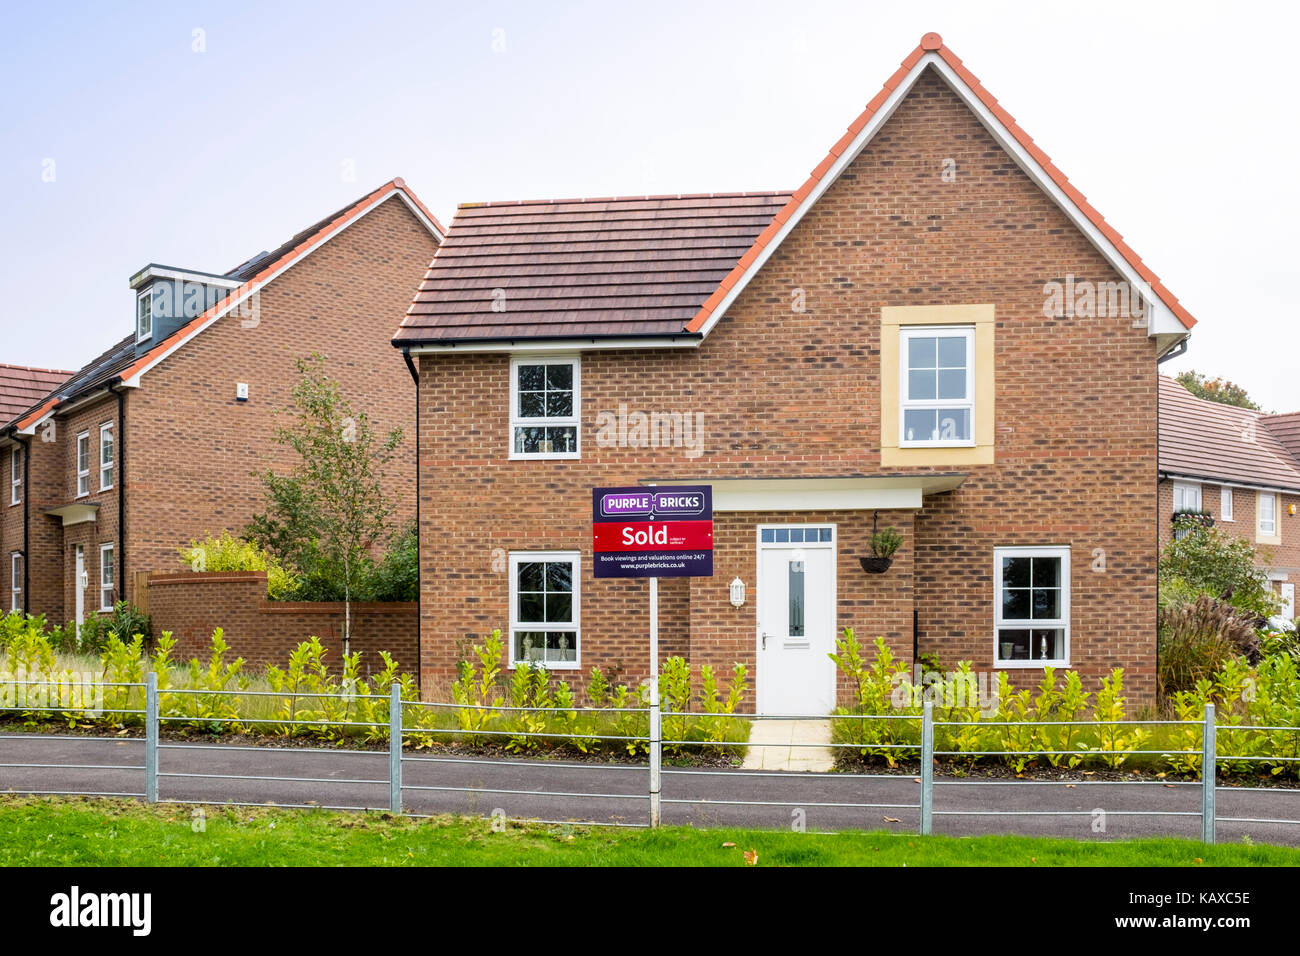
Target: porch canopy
(840,493)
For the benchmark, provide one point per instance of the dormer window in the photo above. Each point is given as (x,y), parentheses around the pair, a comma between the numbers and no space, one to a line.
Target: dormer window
(144,315)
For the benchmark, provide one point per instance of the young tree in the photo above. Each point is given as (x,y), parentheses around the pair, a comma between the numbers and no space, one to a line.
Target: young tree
(1216,389)
(332,506)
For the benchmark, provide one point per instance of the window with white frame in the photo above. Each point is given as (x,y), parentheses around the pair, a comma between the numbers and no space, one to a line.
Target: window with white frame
(144,315)
(1225,504)
(1032,606)
(16,581)
(544,608)
(15,475)
(83,464)
(106,577)
(106,456)
(1187,496)
(937,392)
(545,403)
(1267,515)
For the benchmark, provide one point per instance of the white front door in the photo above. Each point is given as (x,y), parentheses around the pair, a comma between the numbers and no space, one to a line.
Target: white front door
(796,619)
(1288,600)
(79,586)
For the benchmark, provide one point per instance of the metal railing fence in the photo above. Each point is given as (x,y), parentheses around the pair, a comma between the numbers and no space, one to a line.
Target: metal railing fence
(397,730)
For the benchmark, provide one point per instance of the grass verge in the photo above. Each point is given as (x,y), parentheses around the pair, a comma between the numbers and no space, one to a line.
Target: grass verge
(60,831)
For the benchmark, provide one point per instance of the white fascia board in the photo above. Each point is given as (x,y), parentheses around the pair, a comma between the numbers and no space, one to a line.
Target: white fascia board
(163,272)
(522,344)
(1160,320)
(419,214)
(804,500)
(1226,483)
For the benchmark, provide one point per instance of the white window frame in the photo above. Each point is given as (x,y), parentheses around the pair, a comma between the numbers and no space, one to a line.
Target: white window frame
(83,474)
(144,299)
(1063,622)
(107,429)
(16,581)
(1267,531)
(906,333)
(107,581)
(574,626)
(574,420)
(1185,488)
(1225,503)
(15,475)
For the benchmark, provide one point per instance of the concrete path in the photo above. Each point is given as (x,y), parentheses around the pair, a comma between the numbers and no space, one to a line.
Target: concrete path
(796,745)
(600,793)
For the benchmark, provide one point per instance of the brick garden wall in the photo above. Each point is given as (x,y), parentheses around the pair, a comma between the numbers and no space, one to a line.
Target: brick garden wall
(263,632)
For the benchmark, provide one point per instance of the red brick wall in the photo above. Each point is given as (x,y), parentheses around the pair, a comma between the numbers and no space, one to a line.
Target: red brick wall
(191,606)
(798,394)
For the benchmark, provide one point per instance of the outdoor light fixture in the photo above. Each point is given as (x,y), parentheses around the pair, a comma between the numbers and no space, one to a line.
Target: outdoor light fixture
(737,592)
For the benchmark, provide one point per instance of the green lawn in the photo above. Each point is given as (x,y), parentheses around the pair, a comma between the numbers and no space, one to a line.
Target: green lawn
(84,832)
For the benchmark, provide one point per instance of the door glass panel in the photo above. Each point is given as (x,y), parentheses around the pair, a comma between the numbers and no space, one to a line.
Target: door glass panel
(796,599)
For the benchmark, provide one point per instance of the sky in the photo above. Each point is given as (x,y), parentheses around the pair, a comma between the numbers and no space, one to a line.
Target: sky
(198,134)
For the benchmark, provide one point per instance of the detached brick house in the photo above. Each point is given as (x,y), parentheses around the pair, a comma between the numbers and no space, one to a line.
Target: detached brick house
(923,335)
(1242,469)
(156,441)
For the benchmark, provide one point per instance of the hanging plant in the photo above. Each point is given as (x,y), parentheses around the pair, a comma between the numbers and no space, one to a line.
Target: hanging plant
(884,543)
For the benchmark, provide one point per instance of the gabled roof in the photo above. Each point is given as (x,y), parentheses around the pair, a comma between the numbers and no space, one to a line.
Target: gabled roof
(21,387)
(451,305)
(121,363)
(635,265)
(1286,429)
(1213,441)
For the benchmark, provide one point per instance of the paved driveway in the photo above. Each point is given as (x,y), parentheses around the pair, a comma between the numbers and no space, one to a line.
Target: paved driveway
(617,793)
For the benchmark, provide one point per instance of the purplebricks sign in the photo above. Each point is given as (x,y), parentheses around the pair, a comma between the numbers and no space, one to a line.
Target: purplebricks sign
(658,532)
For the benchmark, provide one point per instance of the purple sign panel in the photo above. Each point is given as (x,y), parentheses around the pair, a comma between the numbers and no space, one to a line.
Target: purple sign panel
(659,532)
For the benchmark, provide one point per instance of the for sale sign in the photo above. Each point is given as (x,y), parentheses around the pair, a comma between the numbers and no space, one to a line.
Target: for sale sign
(654,532)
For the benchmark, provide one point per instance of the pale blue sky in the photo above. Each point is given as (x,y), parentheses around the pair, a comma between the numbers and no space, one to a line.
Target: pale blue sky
(1177,120)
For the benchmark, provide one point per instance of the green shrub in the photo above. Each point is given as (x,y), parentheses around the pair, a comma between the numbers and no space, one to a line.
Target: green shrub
(1208,561)
(225,552)
(1196,638)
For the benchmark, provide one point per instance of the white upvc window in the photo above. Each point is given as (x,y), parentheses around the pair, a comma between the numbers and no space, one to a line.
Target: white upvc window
(1031,589)
(1225,504)
(544,615)
(1267,514)
(106,577)
(15,475)
(937,390)
(83,464)
(106,456)
(16,581)
(545,405)
(1187,496)
(144,315)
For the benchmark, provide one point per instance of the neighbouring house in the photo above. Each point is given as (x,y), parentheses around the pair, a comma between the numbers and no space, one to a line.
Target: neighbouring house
(157,441)
(1239,469)
(20,388)
(935,332)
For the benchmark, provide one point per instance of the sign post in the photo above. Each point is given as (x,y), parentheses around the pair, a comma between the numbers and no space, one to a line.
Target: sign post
(653,532)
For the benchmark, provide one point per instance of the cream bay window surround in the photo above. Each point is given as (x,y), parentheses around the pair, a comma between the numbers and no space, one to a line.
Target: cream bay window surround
(1267,529)
(937,383)
(545,406)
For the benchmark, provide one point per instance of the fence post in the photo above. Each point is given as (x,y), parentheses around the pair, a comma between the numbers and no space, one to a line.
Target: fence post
(151,738)
(656,752)
(927,769)
(395,749)
(1209,774)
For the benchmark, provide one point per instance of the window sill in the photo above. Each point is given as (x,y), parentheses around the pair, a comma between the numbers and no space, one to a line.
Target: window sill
(548,456)
(1024,665)
(548,665)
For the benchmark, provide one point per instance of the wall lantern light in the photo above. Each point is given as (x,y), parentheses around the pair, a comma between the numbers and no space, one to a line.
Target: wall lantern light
(737,592)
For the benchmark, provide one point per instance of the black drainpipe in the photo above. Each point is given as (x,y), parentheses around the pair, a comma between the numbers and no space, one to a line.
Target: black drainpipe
(27,520)
(419,603)
(120,479)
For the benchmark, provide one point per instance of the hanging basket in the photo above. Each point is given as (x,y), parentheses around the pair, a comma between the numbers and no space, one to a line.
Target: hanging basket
(874,565)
